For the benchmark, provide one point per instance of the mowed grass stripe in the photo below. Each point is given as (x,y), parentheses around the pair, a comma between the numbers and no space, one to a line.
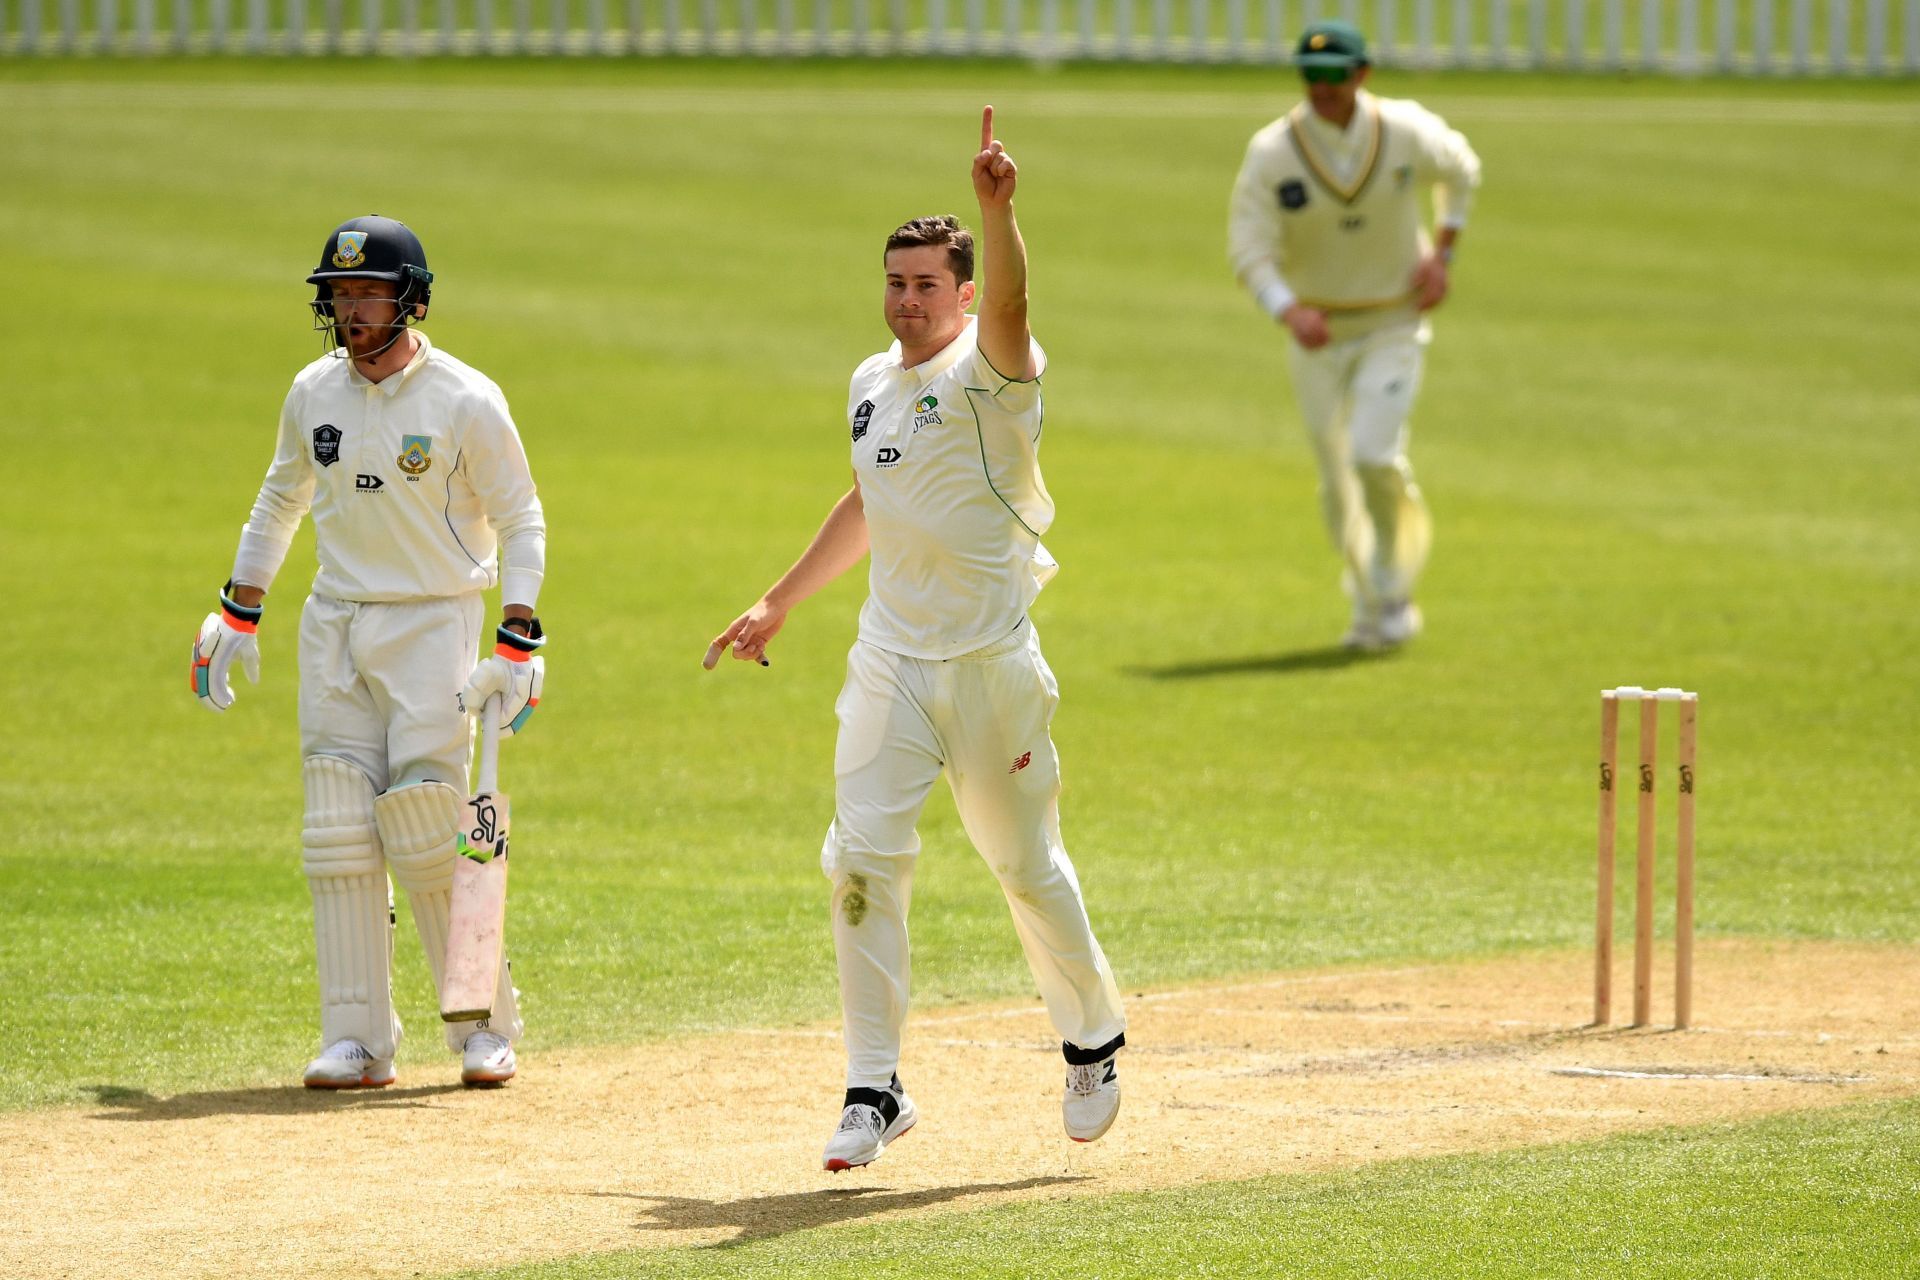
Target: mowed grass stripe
(1810,1196)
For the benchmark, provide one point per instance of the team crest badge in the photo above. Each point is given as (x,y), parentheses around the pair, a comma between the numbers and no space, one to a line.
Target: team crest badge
(926,413)
(1293,194)
(861,417)
(326,444)
(1318,42)
(416,454)
(350,250)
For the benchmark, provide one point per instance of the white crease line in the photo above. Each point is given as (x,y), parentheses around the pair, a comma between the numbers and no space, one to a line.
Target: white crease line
(1157,997)
(1611,1073)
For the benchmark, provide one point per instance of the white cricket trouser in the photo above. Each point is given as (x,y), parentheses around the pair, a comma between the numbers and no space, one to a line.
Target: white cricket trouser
(379,686)
(1356,397)
(981,718)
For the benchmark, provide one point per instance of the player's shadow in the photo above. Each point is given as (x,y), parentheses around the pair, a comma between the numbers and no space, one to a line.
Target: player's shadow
(760,1217)
(277,1100)
(1326,658)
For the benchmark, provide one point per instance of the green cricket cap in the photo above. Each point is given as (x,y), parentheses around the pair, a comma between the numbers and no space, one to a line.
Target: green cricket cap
(1331,44)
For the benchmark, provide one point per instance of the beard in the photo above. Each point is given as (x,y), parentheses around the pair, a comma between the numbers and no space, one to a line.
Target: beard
(366,341)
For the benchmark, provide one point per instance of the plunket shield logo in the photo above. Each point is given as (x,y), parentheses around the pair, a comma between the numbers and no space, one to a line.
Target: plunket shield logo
(861,417)
(416,454)
(326,444)
(350,250)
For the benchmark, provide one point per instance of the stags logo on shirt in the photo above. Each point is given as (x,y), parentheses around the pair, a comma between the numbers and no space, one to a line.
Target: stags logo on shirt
(926,413)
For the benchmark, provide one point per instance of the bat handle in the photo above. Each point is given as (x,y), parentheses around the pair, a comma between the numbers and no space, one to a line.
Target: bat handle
(489,780)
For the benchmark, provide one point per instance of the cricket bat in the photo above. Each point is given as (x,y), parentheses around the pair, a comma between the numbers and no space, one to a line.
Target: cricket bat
(477,919)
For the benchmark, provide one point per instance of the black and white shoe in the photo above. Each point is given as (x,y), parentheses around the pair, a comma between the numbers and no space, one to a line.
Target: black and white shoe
(1092,1098)
(871,1119)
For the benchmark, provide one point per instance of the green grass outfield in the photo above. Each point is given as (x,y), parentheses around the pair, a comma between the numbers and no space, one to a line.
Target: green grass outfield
(1667,432)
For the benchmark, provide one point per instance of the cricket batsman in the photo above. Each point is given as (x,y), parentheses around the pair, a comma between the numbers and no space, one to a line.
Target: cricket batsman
(1327,232)
(946,675)
(422,499)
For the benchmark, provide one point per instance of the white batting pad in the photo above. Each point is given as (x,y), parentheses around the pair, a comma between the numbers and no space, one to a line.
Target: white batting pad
(352,907)
(418,824)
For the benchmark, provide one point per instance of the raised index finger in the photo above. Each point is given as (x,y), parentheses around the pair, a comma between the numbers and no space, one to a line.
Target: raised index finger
(986,128)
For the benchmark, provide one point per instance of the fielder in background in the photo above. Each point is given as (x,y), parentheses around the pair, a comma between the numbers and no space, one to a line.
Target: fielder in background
(416,478)
(947,675)
(1327,232)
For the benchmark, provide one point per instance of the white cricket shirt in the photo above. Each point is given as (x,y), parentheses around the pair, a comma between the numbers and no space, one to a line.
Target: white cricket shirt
(948,458)
(416,483)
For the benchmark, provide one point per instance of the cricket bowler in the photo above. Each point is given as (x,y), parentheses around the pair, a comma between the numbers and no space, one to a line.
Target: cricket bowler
(946,676)
(421,499)
(1327,232)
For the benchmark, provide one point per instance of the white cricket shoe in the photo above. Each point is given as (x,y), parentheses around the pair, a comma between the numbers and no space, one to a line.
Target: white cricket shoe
(1363,634)
(348,1064)
(1400,621)
(486,1059)
(1092,1099)
(872,1119)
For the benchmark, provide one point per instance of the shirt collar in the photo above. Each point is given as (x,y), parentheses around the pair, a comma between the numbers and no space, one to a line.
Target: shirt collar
(1355,128)
(927,370)
(390,385)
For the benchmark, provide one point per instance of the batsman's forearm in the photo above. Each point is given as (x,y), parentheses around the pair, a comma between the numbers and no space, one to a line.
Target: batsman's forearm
(836,548)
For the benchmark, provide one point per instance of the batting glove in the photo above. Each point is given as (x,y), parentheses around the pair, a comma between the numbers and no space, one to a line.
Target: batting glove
(225,637)
(515,672)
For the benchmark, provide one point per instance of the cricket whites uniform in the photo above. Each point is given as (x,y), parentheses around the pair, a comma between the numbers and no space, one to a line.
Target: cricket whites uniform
(1333,217)
(417,484)
(947,676)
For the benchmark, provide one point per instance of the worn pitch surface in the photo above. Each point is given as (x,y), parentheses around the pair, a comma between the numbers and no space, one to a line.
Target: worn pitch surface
(716,1139)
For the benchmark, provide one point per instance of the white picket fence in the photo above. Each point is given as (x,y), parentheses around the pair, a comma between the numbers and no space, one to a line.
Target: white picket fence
(1679,37)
